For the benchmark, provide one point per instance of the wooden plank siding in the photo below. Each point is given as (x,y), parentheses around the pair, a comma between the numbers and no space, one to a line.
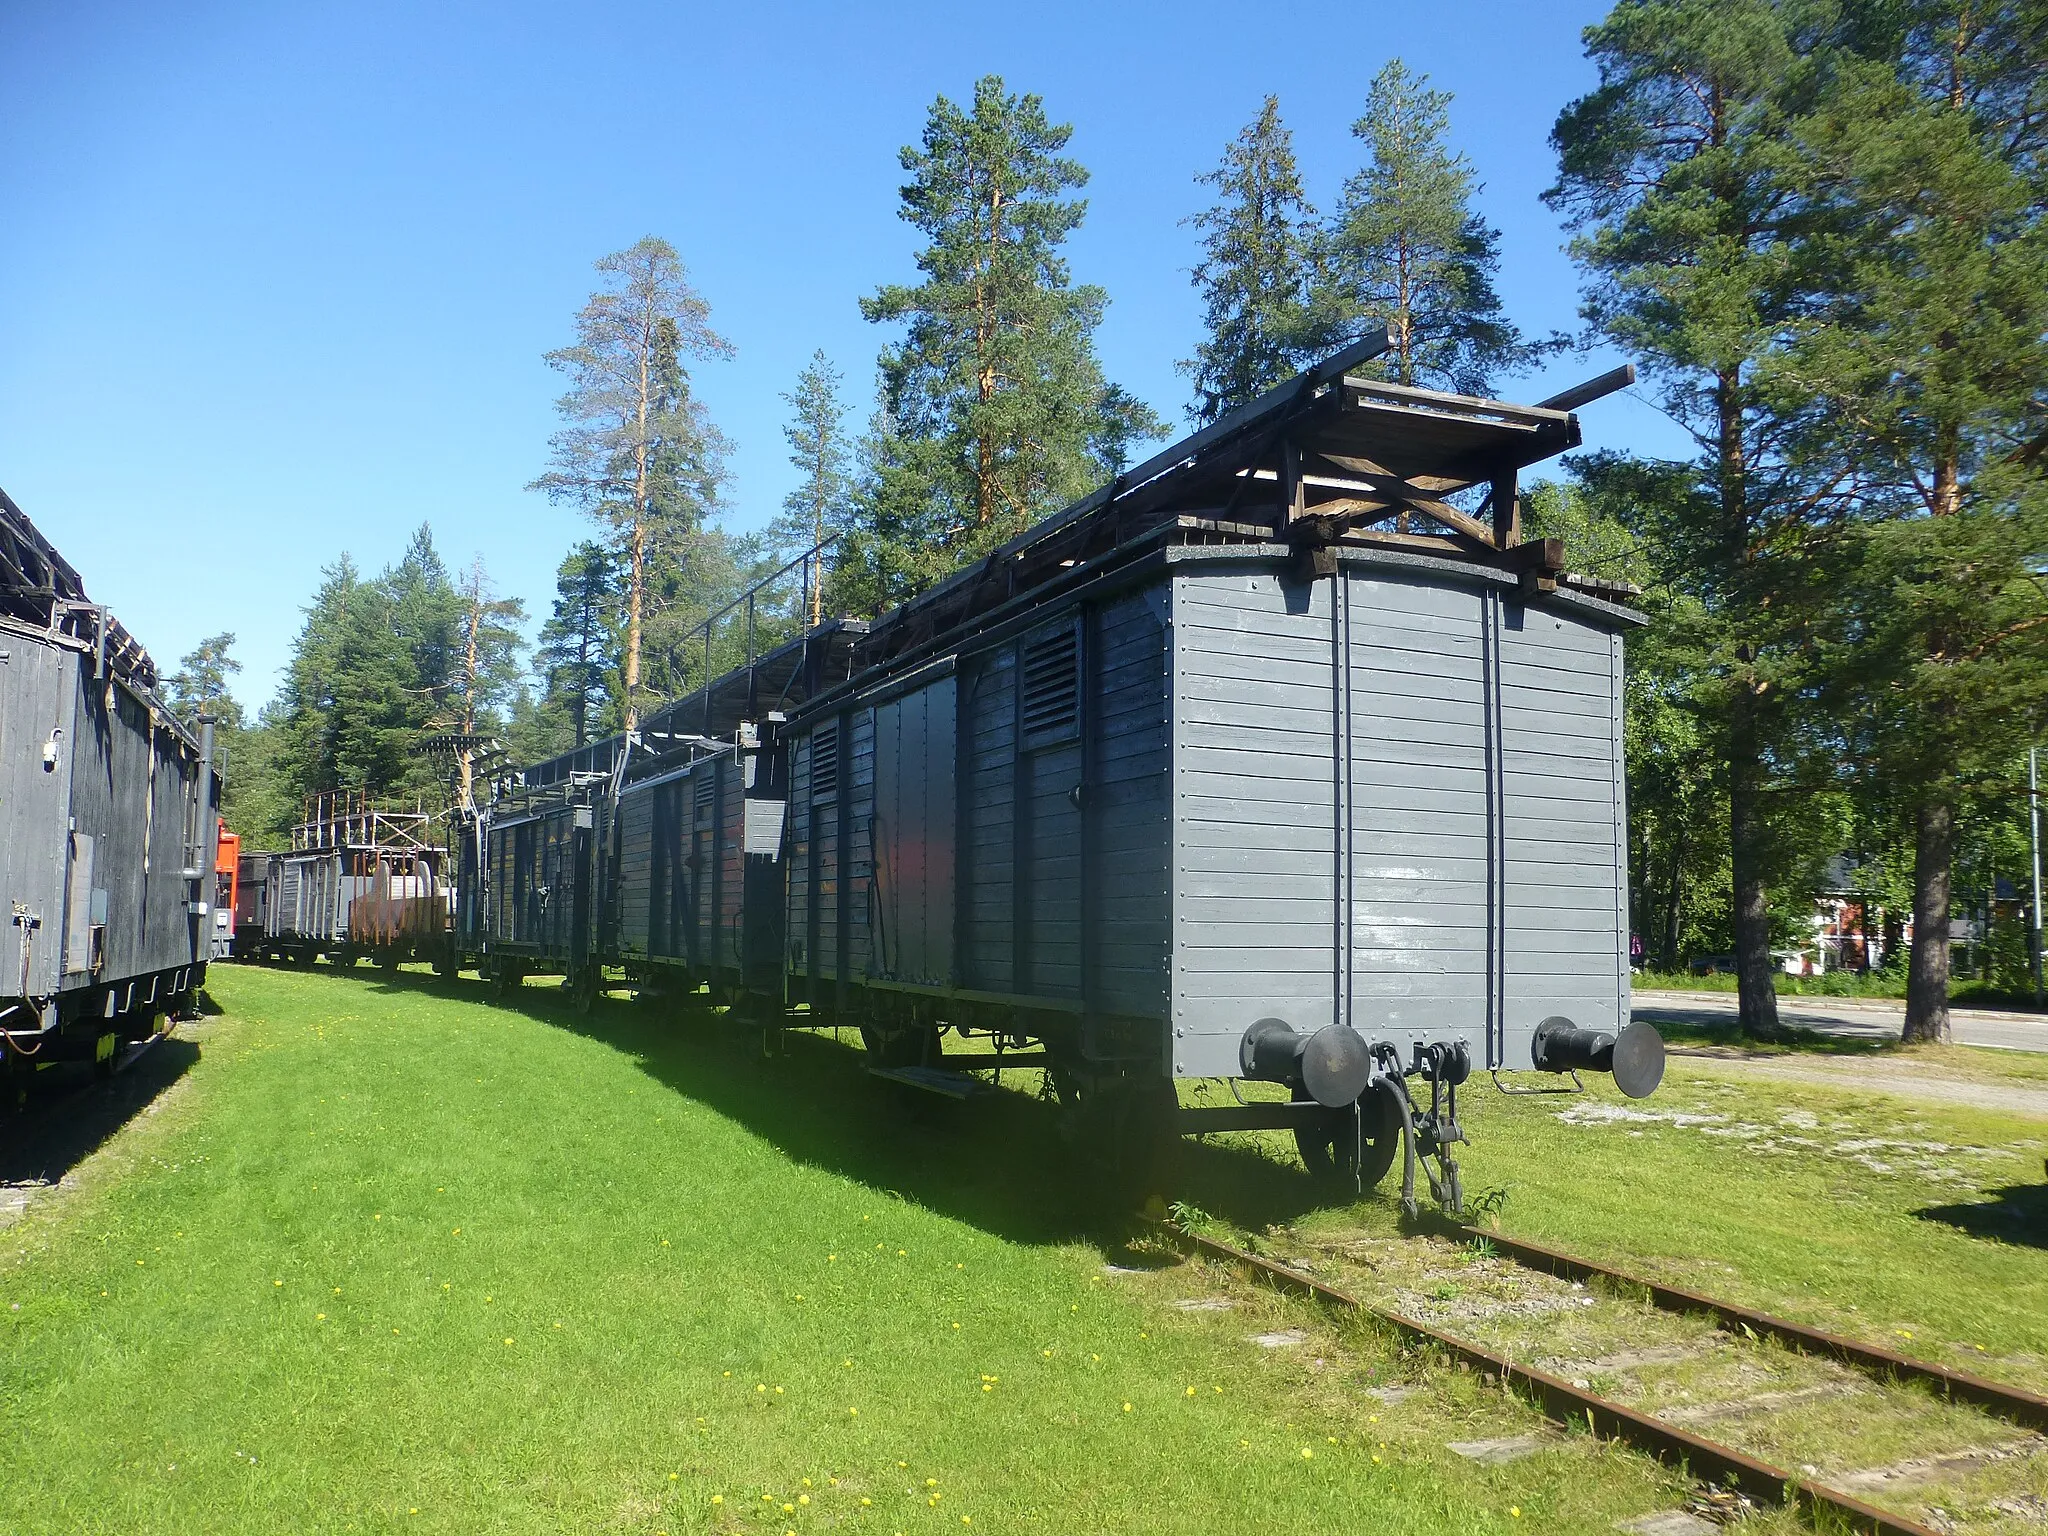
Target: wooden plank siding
(1398,806)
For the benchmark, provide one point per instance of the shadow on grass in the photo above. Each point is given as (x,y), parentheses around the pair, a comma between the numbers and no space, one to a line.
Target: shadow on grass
(1682,1027)
(70,1113)
(997,1162)
(2017,1214)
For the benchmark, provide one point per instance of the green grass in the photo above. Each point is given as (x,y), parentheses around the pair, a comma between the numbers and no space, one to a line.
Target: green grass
(1889,985)
(390,1258)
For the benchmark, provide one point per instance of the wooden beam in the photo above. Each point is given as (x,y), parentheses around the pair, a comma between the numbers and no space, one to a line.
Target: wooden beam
(1389,484)
(1507,510)
(1421,543)
(1435,483)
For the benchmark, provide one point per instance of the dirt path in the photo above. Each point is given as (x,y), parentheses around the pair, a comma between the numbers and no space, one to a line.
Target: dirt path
(1903,1079)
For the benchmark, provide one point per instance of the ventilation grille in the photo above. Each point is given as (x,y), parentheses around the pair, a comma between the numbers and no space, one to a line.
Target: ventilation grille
(825,762)
(707,794)
(1052,686)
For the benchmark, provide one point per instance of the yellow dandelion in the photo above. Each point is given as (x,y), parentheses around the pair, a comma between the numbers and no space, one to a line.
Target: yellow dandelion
(803,1498)
(1095,1357)
(931,1482)
(900,1253)
(986,1387)
(378,1217)
(789,1509)
(1127,1407)
(778,1391)
(1375,1458)
(1307,1454)
(1515,1510)
(831,1258)
(455,1232)
(508,1341)
(956,1325)
(847,1363)
(933,1501)
(853,1413)
(718,1498)
(319,1317)
(277,1282)
(865,1503)
(799,1295)
(760,1386)
(1191,1391)
(960,1266)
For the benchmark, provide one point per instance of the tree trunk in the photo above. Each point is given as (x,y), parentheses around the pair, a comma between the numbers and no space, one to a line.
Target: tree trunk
(1756,987)
(1927,978)
(1674,900)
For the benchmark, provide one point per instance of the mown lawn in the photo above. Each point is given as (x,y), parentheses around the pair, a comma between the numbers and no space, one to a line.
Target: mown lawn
(390,1257)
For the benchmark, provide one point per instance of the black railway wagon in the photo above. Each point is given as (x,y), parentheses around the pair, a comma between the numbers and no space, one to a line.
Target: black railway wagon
(107,822)
(693,869)
(540,875)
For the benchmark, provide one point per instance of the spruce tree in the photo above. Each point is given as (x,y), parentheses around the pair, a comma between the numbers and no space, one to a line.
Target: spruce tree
(1406,248)
(1677,173)
(818,449)
(201,684)
(577,644)
(995,383)
(639,454)
(1258,254)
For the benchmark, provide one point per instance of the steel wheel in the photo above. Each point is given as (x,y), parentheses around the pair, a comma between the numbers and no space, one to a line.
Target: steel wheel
(1331,1152)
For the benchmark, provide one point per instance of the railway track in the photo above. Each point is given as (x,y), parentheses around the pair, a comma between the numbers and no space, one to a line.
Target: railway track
(1852,1436)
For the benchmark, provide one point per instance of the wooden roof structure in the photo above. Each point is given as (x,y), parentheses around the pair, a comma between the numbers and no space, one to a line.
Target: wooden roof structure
(1327,460)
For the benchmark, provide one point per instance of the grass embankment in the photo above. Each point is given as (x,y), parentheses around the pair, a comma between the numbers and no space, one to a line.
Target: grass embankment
(390,1258)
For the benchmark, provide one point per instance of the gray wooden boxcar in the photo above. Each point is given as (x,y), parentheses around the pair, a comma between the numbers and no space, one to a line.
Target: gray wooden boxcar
(1286,756)
(107,822)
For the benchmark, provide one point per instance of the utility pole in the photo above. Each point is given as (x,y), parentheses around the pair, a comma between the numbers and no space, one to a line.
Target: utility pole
(2034,848)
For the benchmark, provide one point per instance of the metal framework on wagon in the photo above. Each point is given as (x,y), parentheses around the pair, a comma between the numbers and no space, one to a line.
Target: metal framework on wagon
(40,590)
(1324,461)
(346,820)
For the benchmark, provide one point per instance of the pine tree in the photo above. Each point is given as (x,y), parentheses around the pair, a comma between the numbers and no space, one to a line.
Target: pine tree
(995,384)
(201,684)
(488,673)
(1406,248)
(1676,172)
(818,450)
(1258,254)
(639,453)
(1930,354)
(576,645)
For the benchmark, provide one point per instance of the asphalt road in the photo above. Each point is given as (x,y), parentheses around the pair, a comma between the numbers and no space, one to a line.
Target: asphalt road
(1867,1018)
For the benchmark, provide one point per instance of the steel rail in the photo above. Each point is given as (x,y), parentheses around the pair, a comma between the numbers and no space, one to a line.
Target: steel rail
(1707,1459)
(2012,1403)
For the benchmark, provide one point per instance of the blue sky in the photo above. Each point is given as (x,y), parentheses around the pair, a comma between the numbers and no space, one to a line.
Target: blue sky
(276,279)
